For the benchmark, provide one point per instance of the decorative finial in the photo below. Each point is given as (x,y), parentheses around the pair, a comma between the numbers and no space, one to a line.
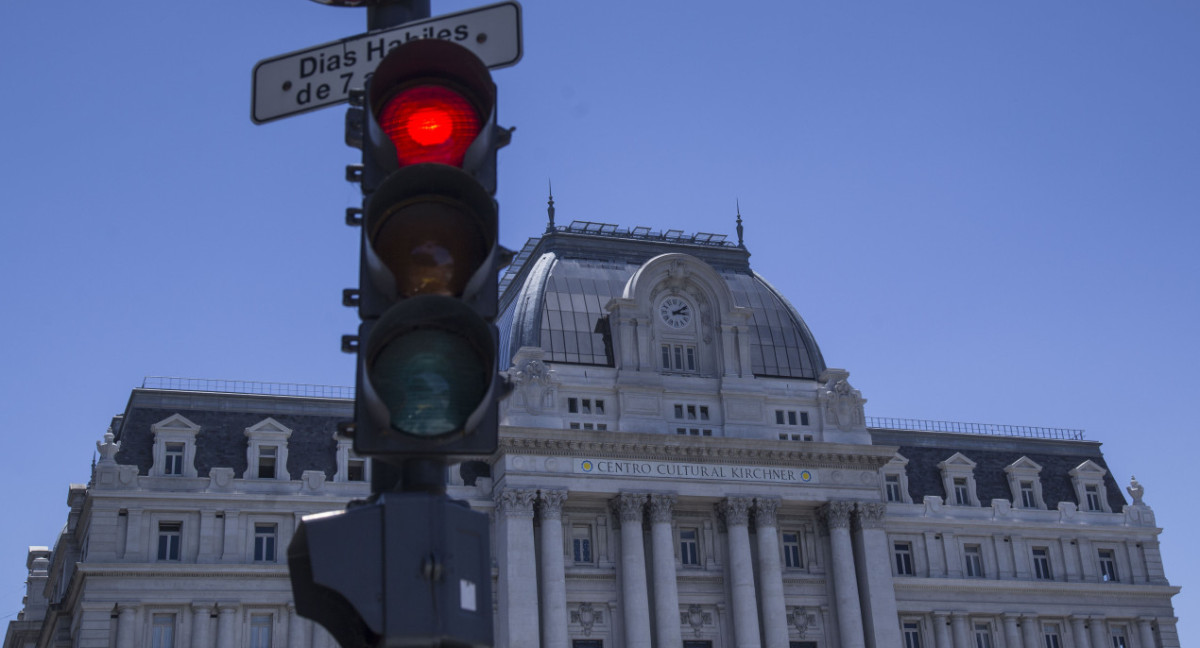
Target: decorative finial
(741,244)
(550,208)
(1136,491)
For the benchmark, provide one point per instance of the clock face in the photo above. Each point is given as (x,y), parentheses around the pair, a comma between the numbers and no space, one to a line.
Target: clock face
(675,312)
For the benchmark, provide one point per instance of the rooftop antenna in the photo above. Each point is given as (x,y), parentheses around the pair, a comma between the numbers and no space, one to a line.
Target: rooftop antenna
(550,207)
(738,202)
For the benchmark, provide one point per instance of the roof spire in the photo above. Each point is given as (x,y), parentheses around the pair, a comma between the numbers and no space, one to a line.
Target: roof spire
(741,244)
(550,207)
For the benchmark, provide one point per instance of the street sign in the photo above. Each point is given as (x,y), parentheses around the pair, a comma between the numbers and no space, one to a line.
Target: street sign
(324,75)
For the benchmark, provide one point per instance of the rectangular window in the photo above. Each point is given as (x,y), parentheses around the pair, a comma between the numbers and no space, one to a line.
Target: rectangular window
(162,631)
(691,412)
(791,550)
(689,547)
(678,410)
(791,418)
(587,643)
(581,544)
(1051,635)
(266,462)
(356,470)
(912,634)
(691,358)
(666,356)
(169,535)
(1108,565)
(1093,497)
(974,558)
(983,635)
(260,631)
(1041,563)
(599,408)
(903,553)
(1027,498)
(803,418)
(573,405)
(264,543)
(778,417)
(1118,637)
(174,459)
(587,406)
(892,486)
(703,412)
(960,491)
(678,357)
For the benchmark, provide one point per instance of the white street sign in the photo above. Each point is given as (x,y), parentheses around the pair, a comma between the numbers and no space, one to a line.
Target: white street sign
(324,75)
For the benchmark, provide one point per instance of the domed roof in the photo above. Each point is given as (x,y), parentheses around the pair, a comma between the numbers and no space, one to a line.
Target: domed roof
(554,296)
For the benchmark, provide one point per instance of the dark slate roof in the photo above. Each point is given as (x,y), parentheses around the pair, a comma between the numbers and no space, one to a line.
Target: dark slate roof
(554,298)
(991,454)
(223,419)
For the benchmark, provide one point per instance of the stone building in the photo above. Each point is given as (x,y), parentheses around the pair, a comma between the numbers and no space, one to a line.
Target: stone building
(677,467)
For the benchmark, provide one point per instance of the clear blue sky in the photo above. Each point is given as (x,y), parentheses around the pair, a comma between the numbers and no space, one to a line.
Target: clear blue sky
(986,211)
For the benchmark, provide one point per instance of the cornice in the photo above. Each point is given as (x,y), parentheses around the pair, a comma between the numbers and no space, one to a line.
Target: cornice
(661,447)
(182,570)
(1072,591)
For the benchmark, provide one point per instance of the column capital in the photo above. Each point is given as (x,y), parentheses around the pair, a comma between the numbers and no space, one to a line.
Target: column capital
(870,514)
(765,511)
(941,615)
(550,503)
(123,608)
(515,503)
(662,507)
(207,606)
(629,507)
(958,614)
(836,514)
(1015,616)
(226,608)
(735,510)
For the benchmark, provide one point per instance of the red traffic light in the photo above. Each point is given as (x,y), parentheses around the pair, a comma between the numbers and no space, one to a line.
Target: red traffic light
(430,123)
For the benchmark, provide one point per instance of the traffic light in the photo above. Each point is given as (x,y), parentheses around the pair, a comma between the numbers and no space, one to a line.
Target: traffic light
(427,379)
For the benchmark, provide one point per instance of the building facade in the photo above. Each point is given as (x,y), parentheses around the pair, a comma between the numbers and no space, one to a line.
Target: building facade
(677,467)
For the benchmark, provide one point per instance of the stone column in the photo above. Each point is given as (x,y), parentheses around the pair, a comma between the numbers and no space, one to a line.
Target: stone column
(635,599)
(836,516)
(1099,631)
(127,626)
(770,573)
(941,630)
(554,580)
(873,569)
(666,591)
(1080,632)
(1146,631)
(201,625)
(297,629)
(736,512)
(516,587)
(227,624)
(1031,631)
(962,634)
(1012,633)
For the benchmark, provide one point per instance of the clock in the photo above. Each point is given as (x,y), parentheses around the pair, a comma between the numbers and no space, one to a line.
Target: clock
(675,312)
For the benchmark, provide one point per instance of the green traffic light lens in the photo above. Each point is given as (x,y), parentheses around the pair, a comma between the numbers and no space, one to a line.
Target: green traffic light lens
(430,380)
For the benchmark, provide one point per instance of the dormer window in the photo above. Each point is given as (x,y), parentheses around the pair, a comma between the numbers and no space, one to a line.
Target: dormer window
(267,451)
(958,478)
(350,468)
(895,480)
(1025,483)
(174,447)
(1088,480)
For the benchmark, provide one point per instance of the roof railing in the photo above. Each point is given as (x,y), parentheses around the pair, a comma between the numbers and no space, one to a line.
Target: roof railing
(247,387)
(990,429)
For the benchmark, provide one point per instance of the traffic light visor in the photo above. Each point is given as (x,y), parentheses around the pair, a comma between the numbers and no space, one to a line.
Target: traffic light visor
(430,123)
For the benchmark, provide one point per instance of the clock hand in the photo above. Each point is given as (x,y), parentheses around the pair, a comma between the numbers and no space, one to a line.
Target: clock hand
(681,310)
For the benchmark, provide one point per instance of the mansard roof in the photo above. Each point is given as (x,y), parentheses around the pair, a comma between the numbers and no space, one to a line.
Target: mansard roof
(554,296)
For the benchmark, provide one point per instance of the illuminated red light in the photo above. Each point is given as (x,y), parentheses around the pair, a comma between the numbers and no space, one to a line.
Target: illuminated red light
(430,123)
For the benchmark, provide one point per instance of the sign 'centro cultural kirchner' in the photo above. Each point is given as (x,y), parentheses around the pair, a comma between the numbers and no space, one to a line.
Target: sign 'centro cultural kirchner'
(678,470)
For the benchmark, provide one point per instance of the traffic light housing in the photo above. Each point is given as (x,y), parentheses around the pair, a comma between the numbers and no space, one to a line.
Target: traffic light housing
(427,376)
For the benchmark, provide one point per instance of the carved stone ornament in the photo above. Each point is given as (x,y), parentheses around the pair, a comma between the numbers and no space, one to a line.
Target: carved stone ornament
(802,620)
(735,510)
(765,512)
(841,403)
(695,617)
(870,514)
(1134,489)
(587,616)
(550,504)
(313,481)
(662,507)
(516,503)
(629,507)
(533,382)
(836,515)
(220,479)
(108,449)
